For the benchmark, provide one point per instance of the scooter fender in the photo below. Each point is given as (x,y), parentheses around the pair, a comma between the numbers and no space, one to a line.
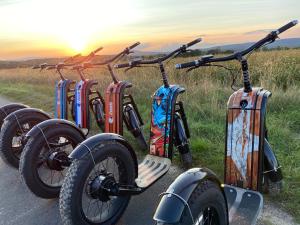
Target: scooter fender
(26,112)
(88,145)
(49,124)
(13,105)
(175,199)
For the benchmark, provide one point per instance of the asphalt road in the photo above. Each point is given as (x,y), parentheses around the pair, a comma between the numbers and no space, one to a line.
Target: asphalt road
(19,206)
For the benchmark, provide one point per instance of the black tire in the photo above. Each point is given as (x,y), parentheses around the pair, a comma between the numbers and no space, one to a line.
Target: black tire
(11,129)
(35,171)
(272,188)
(206,198)
(8,109)
(186,160)
(76,183)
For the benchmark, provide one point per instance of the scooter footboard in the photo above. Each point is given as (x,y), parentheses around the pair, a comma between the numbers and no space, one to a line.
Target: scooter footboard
(244,206)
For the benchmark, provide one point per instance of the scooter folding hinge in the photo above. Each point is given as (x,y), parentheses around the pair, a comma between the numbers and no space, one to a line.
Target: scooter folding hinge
(170,194)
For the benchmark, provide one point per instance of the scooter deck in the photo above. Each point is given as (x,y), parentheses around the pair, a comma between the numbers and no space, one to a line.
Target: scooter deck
(244,206)
(151,169)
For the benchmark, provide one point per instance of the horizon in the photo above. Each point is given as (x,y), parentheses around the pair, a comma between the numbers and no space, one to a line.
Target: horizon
(43,28)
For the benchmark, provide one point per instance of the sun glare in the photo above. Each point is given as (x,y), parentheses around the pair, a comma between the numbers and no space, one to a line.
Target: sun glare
(75,24)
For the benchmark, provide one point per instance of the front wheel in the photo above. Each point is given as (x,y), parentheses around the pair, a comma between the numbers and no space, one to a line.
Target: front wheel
(44,160)
(84,199)
(207,205)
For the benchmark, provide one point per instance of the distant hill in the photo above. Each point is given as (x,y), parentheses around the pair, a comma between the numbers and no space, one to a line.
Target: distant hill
(289,43)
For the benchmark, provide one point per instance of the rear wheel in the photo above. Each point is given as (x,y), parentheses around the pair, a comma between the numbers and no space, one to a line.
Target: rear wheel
(84,199)
(44,161)
(8,109)
(272,188)
(12,136)
(207,205)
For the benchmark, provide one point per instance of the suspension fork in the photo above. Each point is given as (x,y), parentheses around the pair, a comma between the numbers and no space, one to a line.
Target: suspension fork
(182,114)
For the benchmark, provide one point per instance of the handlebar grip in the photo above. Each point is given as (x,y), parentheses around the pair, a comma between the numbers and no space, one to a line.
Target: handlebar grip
(124,65)
(134,45)
(97,50)
(187,65)
(193,42)
(287,26)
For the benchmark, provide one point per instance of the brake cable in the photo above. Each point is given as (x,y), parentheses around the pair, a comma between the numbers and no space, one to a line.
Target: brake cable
(233,76)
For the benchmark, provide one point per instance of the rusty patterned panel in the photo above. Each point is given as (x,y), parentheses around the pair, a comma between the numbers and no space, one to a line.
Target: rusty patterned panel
(243,139)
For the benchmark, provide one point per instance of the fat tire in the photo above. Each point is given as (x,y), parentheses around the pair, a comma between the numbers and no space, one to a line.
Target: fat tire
(71,191)
(207,193)
(8,130)
(29,157)
(272,188)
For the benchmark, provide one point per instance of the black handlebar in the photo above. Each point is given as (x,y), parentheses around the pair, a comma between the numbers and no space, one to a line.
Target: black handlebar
(70,59)
(126,51)
(238,55)
(181,49)
(196,41)
(134,45)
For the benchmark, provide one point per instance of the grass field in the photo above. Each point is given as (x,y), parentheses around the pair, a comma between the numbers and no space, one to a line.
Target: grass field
(207,92)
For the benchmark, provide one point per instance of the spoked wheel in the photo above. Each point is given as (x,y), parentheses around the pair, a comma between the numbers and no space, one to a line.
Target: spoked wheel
(207,205)
(209,216)
(44,160)
(84,197)
(12,137)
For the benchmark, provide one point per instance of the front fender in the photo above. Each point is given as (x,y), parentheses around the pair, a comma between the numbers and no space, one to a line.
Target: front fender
(89,144)
(172,205)
(51,123)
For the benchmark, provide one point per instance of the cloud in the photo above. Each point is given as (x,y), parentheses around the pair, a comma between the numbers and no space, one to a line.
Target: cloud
(9,2)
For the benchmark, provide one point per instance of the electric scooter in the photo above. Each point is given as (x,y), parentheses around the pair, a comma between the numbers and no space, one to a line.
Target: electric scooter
(44,160)
(60,91)
(104,173)
(20,118)
(198,196)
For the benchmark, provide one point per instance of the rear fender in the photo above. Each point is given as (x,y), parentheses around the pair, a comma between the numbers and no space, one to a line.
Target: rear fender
(88,145)
(174,200)
(11,106)
(27,112)
(51,123)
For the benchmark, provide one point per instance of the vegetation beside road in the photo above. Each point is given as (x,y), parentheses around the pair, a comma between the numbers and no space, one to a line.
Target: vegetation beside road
(207,92)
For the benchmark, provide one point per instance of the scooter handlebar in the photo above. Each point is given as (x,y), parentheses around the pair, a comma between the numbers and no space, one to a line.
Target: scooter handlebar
(134,45)
(287,26)
(193,42)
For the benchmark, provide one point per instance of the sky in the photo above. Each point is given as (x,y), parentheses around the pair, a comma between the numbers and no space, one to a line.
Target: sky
(55,28)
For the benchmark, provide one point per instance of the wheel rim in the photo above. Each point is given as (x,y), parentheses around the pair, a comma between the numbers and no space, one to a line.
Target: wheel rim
(48,168)
(208,216)
(17,139)
(101,208)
